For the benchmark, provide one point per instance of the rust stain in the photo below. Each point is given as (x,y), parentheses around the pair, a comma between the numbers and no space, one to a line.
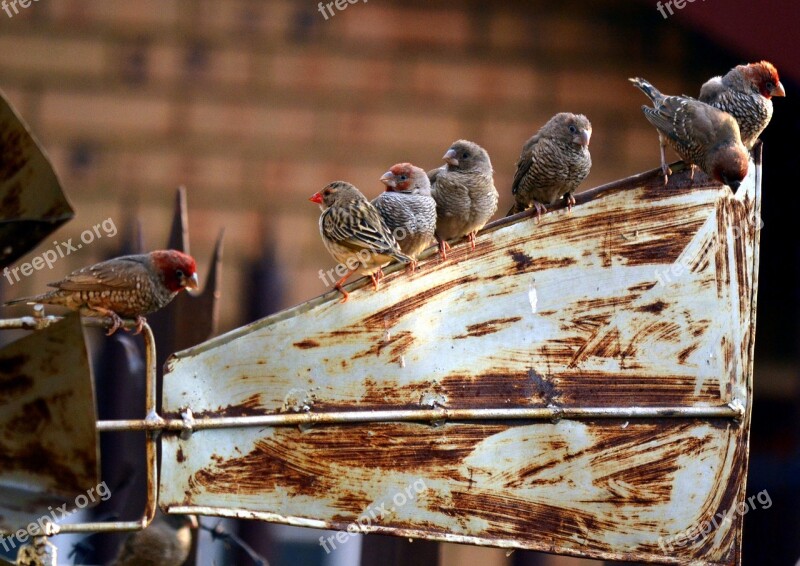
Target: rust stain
(251,405)
(488,327)
(306,344)
(181,457)
(389,316)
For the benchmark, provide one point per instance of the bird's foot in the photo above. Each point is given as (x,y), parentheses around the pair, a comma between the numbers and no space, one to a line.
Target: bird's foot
(443,248)
(411,267)
(345,294)
(140,322)
(471,238)
(666,171)
(116,321)
(540,209)
(570,201)
(375,278)
(691,173)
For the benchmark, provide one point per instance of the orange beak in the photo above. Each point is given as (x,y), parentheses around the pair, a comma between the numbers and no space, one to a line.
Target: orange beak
(317,198)
(778,90)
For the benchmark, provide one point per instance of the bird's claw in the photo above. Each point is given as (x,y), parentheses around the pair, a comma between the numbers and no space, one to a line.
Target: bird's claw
(140,322)
(443,248)
(471,238)
(540,209)
(345,294)
(116,323)
(570,201)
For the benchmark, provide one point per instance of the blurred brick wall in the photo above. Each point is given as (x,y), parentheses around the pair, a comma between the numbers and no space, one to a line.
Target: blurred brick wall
(256,105)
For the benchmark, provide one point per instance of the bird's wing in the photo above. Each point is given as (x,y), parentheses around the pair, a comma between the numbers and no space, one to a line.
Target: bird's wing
(104,276)
(358,227)
(523,166)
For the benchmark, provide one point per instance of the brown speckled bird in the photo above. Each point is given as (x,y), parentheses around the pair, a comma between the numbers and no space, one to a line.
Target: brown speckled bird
(464,191)
(354,233)
(699,133)
(746,93)
(130,286)
(553,163)
(408,209)
(165,542)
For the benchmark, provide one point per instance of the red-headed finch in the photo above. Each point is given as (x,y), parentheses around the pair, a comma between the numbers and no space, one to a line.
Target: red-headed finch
(553,163)
(464,191)
(699,133)
(129,286)
(408,209)
(354,233)
(165,542)
(746,93)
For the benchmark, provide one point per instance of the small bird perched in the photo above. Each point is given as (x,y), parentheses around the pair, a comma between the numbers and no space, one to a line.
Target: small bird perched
(165,542)
(746,93)
(354,233)
(408,209)
(553,163)
(129,286)
(699,133)
(464,191)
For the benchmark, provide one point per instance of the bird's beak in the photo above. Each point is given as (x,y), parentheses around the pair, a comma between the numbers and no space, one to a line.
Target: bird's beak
(191,282)
(778,90)
(317,198)
(389,180)
(450,157)
(582,138)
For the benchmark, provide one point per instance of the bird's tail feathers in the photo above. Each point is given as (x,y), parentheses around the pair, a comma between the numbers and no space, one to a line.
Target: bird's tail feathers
(652,92)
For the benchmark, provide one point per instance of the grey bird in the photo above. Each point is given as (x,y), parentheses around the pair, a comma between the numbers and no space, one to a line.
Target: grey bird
(408,209)
(553,163)
(745,92)
(464,191)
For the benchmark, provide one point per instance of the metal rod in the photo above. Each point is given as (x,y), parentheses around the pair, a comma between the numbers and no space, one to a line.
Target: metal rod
(430,415)
(150,449)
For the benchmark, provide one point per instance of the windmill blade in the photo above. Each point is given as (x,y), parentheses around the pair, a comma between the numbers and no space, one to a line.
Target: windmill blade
(32,203)
(580,386)
(48,437)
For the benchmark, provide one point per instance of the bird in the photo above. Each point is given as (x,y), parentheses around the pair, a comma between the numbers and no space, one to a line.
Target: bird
(746,93)
(165,542)
(464,191)
(354,233)
(553,162)
(129,286)
(408,209)
(701,134)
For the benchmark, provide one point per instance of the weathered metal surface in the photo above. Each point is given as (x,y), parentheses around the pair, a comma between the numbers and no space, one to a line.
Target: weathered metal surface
(61,402)
(32,204)
(48,441)
(641,299)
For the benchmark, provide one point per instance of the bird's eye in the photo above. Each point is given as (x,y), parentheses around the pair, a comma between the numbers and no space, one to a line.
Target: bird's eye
(464,155)
(403,177)
(770,85)
(573,129)
(179,273)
